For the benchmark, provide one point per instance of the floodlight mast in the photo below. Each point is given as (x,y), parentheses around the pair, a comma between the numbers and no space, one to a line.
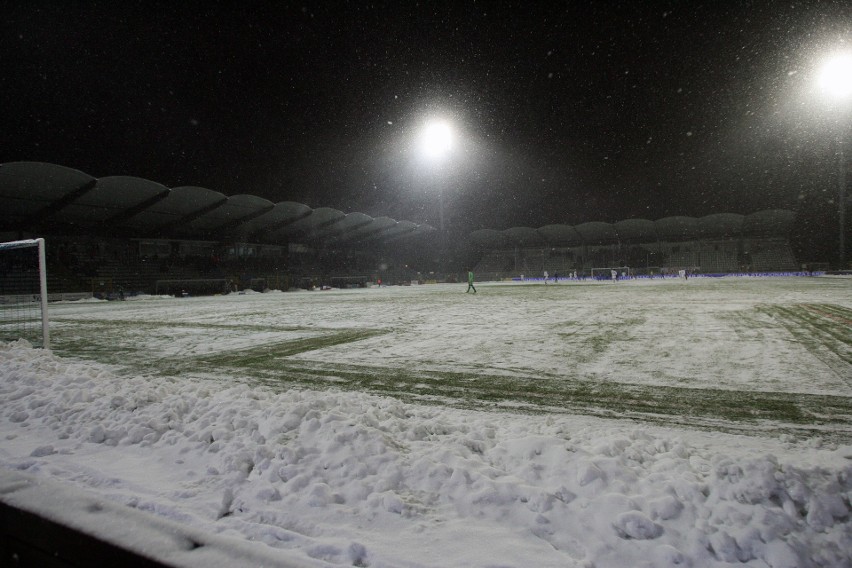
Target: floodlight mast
(436,142)
(841,198)
(835,79)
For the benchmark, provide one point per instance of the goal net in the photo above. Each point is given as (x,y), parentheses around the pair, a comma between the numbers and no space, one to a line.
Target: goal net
(23,292)
(612,273)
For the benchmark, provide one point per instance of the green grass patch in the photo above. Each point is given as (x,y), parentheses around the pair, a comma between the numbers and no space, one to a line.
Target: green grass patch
(823,328)
(707,408)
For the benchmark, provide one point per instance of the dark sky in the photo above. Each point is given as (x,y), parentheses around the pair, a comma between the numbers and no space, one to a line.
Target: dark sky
(566,111)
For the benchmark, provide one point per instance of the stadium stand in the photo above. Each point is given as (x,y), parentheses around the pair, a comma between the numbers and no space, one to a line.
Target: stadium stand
(715,244)
(125,234)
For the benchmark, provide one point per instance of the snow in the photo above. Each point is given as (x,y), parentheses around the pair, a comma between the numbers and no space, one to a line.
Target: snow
(298,477)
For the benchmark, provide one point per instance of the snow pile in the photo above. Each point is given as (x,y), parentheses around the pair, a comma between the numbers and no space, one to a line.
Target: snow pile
(355,480)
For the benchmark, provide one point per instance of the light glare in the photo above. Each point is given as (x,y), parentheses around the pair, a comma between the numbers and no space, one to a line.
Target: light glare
(437,139)
(836,76)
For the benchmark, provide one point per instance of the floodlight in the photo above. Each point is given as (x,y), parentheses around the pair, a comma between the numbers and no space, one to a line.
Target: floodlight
(835,77)
(436,139)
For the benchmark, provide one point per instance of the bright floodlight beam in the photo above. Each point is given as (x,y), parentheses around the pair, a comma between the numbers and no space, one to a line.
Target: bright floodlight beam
(835,77)
(437,139)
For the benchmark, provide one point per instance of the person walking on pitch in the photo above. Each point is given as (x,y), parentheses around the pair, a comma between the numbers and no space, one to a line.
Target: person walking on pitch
(470,282)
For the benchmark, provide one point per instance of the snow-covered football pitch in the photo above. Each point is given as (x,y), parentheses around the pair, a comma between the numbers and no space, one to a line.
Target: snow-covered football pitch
(736,354)
(701,423)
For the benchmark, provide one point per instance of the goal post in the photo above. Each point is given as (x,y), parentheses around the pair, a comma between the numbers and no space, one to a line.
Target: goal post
(24,291)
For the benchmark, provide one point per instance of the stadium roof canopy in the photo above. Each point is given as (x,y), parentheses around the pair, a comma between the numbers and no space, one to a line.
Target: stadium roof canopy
(37,197)
(720,225)
(422,230)
(374,227)
(523,236)
(767,223)
(677,228)
(318,221)
(181,204)
(110,200)
(345,225)
(281,215)
(597,233)
(401,229)
(636,230)
(488,239)
(236,210)
(560,235)
(29,191)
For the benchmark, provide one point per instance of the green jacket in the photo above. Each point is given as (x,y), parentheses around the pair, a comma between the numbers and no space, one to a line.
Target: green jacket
(470,277)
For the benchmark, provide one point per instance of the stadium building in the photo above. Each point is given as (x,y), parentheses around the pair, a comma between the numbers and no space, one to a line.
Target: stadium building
(122,234)
(716,244)
(131,234)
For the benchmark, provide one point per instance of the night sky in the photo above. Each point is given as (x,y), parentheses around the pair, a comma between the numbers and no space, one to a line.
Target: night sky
(564,112)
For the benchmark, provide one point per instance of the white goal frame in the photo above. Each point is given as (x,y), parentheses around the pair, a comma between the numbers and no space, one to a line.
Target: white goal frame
(42,272)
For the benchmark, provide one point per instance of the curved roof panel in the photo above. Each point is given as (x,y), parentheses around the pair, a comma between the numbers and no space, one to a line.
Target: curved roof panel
(400,229)
(39,181)
(720,225)
(29,187)
(188,199)
(421,231)
(560,234)
(319,218)
(488,238)
(770,222)
(677,228)
(344,226)
(523,236)
(283,213)
(237,209)
(112,196)
(636,230)
(31,192)
(34,193)
(376,226)
(182,204)
(597,232)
